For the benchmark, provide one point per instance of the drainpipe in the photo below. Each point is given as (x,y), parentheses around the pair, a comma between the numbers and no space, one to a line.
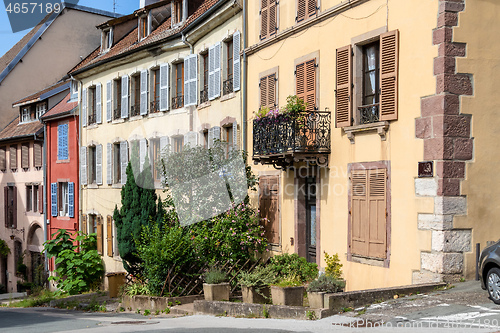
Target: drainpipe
(44,192)
(80,199)
(244,79)
(185,41)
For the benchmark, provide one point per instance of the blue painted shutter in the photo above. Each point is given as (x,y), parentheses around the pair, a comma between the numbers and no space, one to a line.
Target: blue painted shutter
(71,199)
(53,198)
(59,142)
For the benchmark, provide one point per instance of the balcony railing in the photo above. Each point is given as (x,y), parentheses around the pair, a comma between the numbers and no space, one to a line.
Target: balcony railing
(177,102)
(227,86)
(135,110)
(368,114)
(276,139)
(154,106)
(204,95)
(117,113)
(92,118)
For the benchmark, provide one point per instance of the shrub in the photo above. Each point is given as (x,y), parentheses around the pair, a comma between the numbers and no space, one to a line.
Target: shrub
(214,276)
(287,266)
(326,283)
(260,276)
(333,266)
(289,281)
(136,288)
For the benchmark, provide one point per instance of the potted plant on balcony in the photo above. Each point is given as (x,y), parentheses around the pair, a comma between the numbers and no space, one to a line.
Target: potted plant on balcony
(216,286)
(255,284)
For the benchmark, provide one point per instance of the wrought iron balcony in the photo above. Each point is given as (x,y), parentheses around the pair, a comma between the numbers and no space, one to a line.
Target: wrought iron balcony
(204,95)
(283,140)
(368,114)
(177,102)
(227,86)
(154,106)
(135,110)
(92,119)
(117,113)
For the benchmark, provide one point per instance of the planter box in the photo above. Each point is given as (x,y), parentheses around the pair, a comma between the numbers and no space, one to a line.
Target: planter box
(316,299)
(288,296)
(217,292)
(250,295)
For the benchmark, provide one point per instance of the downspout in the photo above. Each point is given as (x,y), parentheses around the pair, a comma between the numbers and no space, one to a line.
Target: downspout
(244,79)
(185,41)
(80,198)
(191,108)
(44,192)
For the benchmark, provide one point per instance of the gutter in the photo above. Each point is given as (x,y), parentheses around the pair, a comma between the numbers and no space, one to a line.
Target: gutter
(185,41)
(244,79)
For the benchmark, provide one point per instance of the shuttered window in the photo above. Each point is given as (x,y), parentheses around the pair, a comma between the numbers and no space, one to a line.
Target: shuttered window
(389,66)
(109,235)
(37,154)
(62,142)
(306,9)
(343,91)
(84,226)
(98,230)
(268,86)
(10,204)
(305,81)
(368,214)
(268,18)
(3,161)
(13,157)
(25,156)
(269,207)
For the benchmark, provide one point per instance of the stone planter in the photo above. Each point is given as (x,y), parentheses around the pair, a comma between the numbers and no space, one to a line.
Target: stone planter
(250,295)
(217,292)
(316,299)
(293,296)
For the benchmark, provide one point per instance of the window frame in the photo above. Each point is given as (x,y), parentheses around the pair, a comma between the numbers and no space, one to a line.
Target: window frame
(92,105)
(29,198)
(36,197)
(178,144)
(92,165)
(135,94)
(25,114)
(117,98)
(267,75)
(116,164)
(40,108)
(63,199)
(59,139)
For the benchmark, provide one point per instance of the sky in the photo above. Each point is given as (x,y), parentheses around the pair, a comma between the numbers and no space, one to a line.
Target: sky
(8,39)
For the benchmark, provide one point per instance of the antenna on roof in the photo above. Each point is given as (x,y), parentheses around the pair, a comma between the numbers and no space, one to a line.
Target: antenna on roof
(114,6)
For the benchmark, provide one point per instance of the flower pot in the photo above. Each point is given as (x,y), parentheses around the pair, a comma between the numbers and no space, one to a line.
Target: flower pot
(316,299)
(217,292)
(287,295)
(258,295)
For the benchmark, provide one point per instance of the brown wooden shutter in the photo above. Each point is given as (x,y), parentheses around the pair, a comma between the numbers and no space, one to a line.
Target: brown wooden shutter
(84,224)
(273,15)
(37,152)
(13,157)
(301,10)
(264,19)
(99,235)
(306,83)
(40,199)
(377,213)
(389,62)
(14,208)
(271,91)
(6,205)
(343,92)
(109,234)
(3,162)
(263,92)
(25,153)
(311,8)
(359,213)
(300,78)
(269,207)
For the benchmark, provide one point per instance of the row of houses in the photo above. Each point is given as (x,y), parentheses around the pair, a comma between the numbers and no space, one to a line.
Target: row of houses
(391,165)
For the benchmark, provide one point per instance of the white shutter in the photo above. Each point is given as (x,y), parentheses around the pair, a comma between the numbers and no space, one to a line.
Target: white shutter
(216,132)
(164,143)
(143,146)
(83,165)
(98,164)
(211,73)
(124,160)
(124,97)
(98,107)
(84,108)
(144,92)
(213,134)
(109,109)
(217,70)
(191,139)
(235,135)
(236,61)
(164,86)
(190,80)
(109,164)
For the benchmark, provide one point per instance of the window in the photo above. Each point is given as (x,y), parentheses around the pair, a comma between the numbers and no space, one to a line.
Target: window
(204,91)
(268,18)
(92,224)
(37,155)
(36,197)
(107,40)
(13,157)
(178,144)
(40,109)
(74,90)
(375,74)
(155,154)
(25,114)
(25,153)
(305,80)
(3,159)
(155,82)
(178,99)
(62,199)
(306,9)
(227,85)
(368,198)
(92,169)
(228,138)
(92,106)
(116,164)
(62,142)
(269,207)
(117,99)
(29,198)
(268,91)
(135,109)
(10,202)
(178,12)
(205,139)
(143,27)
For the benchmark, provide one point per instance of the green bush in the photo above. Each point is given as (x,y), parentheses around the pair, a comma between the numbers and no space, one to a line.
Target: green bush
(333,266)
(291,266)
(137,288)
(326,283)
(260,276)
(215,275)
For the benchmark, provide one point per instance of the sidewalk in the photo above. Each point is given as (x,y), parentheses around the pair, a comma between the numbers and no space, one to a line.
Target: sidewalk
(6,298)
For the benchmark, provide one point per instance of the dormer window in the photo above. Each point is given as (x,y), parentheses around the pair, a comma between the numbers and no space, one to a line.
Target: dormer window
(25,114)
(143,27)
(178,11)
(40,110)
(74,90)
(107,39)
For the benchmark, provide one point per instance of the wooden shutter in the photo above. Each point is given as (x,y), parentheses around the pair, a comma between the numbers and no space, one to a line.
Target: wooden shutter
(269,207)
(98,164)
(124,106)
(263,92)
(109,235)
(301,10)
(99,235)
(217,70)
(236,61)
(25,153)
(109,163)
(13,157)
(273,16)
(377,232)
(389,62)
(109,104)
(164,144)
(144,93)
(53,199)
(164,87)
(123,160)
(83,165)
(37,152)
(343,90)
(306,83)
(84,224)
(3,161)
(6,206)
(84,107)
(264,18)
(311,8)
(271,91)
(14,207)
(98,105)
(359,213)
(190,80)
(40,199)
(71,199)
(143,146)
(211,74)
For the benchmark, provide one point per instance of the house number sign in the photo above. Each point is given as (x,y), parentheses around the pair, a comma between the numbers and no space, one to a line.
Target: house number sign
(425,169)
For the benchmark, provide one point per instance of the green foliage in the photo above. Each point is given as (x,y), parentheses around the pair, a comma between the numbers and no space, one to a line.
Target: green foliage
(333,266)
(311,315)
(42,298)
(215,275)
(76,272)
(326,283)
(21,268)
(260,276)
(4,248)
(166,310)
(137,288)
(294,106)
(157,312)
(291,266)
(147,312)
(265,312)
(289,281)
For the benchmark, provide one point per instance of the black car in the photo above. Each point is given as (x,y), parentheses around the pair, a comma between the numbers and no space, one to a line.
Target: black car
(489,271)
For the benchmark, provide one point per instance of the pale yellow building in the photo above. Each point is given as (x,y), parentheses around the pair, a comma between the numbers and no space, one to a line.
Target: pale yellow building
(388,85)
(165,76)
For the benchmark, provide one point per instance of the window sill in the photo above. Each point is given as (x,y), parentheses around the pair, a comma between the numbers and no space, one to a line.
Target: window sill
(379,262)
(91,126)
(204,105)
(178,111)
(62,218)
(118,121)
(62,161)
(116,186)
(228,97)
(156,114)
(93,186)
(139,117)
(381,127)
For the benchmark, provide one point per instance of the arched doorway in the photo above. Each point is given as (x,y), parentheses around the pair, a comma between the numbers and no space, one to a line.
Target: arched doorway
(35,258)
